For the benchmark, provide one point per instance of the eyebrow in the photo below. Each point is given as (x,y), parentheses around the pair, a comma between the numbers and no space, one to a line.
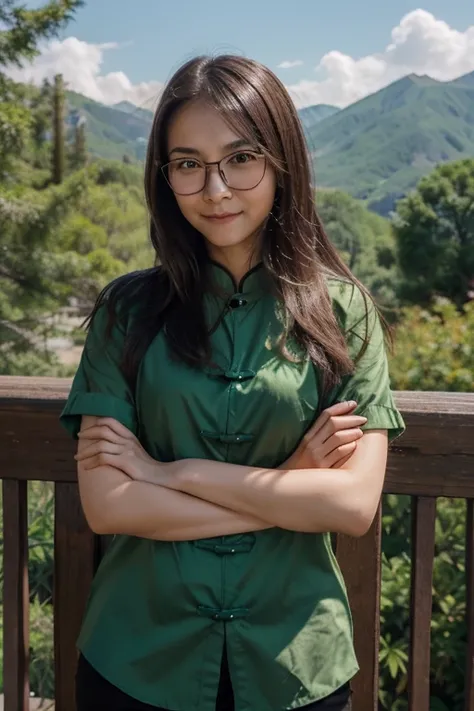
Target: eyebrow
(234,145)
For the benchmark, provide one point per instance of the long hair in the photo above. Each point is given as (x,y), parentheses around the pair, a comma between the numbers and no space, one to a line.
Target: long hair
(296,251)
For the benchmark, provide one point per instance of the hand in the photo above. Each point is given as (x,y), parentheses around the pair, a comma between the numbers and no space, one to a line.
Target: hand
(110,443)
(330,441)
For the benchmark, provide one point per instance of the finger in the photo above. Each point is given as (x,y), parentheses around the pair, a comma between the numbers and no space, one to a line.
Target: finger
(336,440)
(345,451)
(101,459)
(342,437)
(116,426)
(336,424)
(100,432)
(341,462)
(96,448)
(338,409)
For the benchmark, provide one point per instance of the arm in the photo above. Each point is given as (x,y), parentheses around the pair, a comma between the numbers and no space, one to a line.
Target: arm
(113,503)
(309,500)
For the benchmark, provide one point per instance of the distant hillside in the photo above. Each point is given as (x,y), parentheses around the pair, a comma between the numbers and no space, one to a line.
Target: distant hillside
(312,115)
(130,108)
(113,132)
(378,148)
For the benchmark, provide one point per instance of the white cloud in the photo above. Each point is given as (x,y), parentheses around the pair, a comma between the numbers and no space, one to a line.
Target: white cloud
(289,64)
(80,64)
(420,44)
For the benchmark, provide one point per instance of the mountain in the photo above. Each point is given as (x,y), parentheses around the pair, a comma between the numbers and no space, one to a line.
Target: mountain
(112,132)
(130,108)
(312,115)
(466,80)
(378,148)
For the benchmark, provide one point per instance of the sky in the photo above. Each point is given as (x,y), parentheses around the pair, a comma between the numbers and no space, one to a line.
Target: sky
(332,52)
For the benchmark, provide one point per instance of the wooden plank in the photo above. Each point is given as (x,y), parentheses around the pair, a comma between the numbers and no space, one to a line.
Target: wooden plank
(359,559)
(38,431)
(422,473)
(423,546)
(15,596)
(417,468)
(29,409)
(469,687)
(75,551)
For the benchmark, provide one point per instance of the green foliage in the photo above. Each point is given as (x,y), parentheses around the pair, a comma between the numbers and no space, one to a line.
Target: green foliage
(364,240)
(434,227)
(448,627)
(15,122)
(434,350)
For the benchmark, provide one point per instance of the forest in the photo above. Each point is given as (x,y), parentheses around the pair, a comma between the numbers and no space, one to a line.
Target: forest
(71,221)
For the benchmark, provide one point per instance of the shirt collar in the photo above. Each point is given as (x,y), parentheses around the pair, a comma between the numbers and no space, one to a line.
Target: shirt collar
(254,284)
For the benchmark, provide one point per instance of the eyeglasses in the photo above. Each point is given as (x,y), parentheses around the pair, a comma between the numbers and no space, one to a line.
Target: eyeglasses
(239,171)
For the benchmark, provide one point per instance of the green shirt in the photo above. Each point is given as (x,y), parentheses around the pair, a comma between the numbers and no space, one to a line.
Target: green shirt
(159,613)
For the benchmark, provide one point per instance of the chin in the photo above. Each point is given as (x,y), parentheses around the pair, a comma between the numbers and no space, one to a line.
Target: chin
(224,241)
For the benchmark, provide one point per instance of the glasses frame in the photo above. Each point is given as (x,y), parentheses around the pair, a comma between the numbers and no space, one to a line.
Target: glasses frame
(209,164)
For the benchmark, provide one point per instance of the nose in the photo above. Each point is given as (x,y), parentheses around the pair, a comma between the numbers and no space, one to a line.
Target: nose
(215,188)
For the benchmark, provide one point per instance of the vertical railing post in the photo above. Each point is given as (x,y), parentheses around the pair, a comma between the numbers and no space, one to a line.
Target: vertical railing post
(15,596)
(359,559)
(74,560)
(422,559)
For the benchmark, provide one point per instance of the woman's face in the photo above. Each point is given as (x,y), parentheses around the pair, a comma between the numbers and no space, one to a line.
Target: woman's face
(198,133)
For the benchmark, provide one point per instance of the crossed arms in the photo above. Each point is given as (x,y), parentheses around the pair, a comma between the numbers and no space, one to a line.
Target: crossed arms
(123,490)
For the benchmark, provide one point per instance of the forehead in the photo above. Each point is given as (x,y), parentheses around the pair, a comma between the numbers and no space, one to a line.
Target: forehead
(200,126)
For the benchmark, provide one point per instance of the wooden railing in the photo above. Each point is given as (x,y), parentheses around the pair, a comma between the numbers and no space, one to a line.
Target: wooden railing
(434,458)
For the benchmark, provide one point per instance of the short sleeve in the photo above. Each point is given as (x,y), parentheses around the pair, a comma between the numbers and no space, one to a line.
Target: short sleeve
(99,387)
(369,384)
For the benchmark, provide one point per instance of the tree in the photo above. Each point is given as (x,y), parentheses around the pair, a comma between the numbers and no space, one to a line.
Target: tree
(363,239)
(434,229)
(22,29)
(21,32)
(79,147)
(58,130)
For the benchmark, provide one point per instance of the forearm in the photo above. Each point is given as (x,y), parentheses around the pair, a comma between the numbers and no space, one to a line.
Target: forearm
(308,500)
(115,504)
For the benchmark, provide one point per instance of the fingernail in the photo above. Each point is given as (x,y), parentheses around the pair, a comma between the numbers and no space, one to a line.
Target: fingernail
(352,403)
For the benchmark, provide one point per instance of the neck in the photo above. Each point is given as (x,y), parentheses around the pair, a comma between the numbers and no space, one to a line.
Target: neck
(237,259)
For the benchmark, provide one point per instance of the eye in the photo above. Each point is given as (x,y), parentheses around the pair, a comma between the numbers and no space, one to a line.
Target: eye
(187,164)
(242,158)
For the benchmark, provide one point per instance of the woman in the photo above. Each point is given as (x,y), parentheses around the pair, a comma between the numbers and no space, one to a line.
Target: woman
(217,439)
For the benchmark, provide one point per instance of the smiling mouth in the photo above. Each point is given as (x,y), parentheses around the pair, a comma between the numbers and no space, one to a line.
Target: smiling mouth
(226,217)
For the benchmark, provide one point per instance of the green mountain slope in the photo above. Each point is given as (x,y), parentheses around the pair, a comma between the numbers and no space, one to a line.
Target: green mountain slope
(378,148)
(311,115)
(112,132)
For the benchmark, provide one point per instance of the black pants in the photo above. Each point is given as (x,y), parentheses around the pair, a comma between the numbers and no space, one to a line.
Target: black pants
(94,693)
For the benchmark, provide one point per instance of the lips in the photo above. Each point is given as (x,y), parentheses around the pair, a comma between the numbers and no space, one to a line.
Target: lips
(224,217)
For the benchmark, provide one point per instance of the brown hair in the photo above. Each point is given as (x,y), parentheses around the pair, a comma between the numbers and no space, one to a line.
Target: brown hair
(296,251)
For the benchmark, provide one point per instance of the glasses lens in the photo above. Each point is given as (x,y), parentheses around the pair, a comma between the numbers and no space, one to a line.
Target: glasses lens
(243,171)
(185,176)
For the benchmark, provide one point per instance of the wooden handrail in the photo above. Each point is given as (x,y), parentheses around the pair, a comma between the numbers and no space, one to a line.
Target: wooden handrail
(434,458)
